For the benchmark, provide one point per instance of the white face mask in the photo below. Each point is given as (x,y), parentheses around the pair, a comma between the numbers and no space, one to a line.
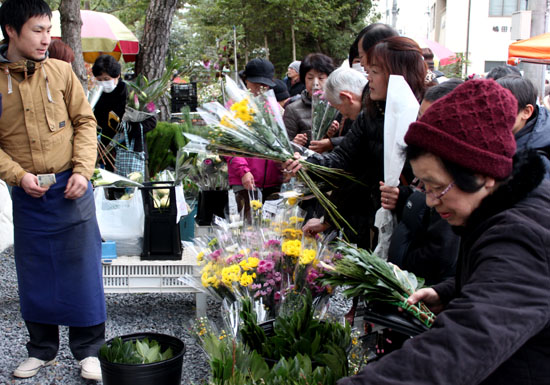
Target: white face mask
(108,86)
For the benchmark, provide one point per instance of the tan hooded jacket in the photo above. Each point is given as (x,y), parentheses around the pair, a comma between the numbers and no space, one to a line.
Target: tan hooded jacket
(47,124)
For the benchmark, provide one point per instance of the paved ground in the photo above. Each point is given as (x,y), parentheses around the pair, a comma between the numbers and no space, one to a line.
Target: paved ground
(127,313)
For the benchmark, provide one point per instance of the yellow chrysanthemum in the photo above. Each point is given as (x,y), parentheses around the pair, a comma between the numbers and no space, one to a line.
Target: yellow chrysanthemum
(292,248)
(307,256)
(200,256)
(294,220)
(247,279)
(256,205)
(231,274)
(243,111)
(292,201)
(249,264)
(225,121)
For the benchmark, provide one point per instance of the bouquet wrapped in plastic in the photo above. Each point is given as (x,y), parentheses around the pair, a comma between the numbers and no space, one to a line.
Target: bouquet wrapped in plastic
(263,263)
(253,127)
(322,115)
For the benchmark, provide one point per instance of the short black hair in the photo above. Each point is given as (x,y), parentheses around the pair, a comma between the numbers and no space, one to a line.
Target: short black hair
(466,180)
(501,71)
(523,89)
(17,12)
(442,89)
(318,62)
(106,64)
(376,32)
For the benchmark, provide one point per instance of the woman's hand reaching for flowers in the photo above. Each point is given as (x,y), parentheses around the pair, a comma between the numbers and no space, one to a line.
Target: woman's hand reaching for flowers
(300,139)
(248,181)
(292,166)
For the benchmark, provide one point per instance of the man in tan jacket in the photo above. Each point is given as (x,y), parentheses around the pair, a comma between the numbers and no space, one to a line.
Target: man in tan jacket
(48,148)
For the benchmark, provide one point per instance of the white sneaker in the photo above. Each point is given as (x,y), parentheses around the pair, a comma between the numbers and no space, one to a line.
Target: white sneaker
(90,368)
(30,367)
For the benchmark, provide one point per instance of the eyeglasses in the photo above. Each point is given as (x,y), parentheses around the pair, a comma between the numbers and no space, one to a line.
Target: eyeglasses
(418,185)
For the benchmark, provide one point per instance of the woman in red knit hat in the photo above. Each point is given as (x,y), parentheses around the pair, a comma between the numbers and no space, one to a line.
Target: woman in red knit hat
(493,322)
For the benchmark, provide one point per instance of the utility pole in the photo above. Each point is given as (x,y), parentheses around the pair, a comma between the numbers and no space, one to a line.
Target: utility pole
(537,72)
(394,11)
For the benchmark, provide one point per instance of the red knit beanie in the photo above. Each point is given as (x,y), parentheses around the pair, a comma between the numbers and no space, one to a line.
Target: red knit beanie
(471,127)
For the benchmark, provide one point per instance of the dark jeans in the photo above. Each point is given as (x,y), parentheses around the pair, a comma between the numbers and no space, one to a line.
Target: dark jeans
(83,341)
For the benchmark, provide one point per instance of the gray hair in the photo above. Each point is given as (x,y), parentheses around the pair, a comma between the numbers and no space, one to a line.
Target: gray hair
(344,79)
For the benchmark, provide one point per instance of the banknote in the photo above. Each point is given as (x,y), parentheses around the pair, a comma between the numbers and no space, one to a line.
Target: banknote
(46,180)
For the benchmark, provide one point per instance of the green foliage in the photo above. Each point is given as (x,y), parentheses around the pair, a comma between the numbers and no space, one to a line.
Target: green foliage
(299,333)
(455,70)
(145,91)
(327,26)
(134,352)
(163,144)
(365,274)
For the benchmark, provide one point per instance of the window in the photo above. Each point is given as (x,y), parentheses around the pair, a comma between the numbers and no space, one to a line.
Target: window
(506,7)
(504,28)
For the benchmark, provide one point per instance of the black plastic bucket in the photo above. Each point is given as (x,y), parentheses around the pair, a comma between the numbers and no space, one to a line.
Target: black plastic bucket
(166,372)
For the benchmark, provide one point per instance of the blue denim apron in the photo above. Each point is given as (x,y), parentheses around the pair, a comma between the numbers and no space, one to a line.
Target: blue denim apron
(57,247)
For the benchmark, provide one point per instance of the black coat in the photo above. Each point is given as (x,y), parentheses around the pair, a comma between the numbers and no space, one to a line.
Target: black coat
(495,328)
(114,101)
(360,153)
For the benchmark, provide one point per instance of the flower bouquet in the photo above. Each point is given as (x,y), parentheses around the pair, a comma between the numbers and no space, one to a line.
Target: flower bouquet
(208,172)
(253,127)
(322,115)
(263,263)
(365,274)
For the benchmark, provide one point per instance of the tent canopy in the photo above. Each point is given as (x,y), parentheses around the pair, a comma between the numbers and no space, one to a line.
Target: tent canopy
(533,50)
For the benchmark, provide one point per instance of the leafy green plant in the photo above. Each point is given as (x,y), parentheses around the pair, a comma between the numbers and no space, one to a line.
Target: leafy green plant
(163,144)
(144,92)
(142,351)
(365,274)
(299,333)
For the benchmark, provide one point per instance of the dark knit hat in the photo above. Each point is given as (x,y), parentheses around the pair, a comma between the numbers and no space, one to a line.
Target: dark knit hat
(471,127)
(281,92)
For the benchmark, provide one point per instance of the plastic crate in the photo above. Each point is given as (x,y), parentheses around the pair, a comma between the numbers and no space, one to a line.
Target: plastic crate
(183,90)
(146,278)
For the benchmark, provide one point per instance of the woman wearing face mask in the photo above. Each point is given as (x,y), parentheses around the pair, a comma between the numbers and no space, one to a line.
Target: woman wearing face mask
(113,99)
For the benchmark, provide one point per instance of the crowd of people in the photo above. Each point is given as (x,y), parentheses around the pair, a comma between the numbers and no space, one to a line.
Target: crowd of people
(473,204)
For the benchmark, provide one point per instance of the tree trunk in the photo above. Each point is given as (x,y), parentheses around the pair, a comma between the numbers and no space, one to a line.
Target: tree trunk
(266,47)
(293,43)
(154,45)
(71,25)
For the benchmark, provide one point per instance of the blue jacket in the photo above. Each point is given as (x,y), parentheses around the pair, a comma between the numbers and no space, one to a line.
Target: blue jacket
(536,135)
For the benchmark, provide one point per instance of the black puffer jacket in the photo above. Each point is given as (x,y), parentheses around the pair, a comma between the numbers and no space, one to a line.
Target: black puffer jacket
(360,153)
(496,328)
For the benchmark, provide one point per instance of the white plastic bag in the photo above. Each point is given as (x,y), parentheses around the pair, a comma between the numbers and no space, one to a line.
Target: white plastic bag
(6,218)
(121,221)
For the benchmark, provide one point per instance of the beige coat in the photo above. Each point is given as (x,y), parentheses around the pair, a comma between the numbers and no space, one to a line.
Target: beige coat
(47,124)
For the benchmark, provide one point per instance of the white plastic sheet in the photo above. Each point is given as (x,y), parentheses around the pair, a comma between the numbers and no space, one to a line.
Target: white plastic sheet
(401,111)
(6,217)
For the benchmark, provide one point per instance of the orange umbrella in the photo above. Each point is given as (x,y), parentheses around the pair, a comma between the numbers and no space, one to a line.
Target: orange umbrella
(102,34)
(533,50)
